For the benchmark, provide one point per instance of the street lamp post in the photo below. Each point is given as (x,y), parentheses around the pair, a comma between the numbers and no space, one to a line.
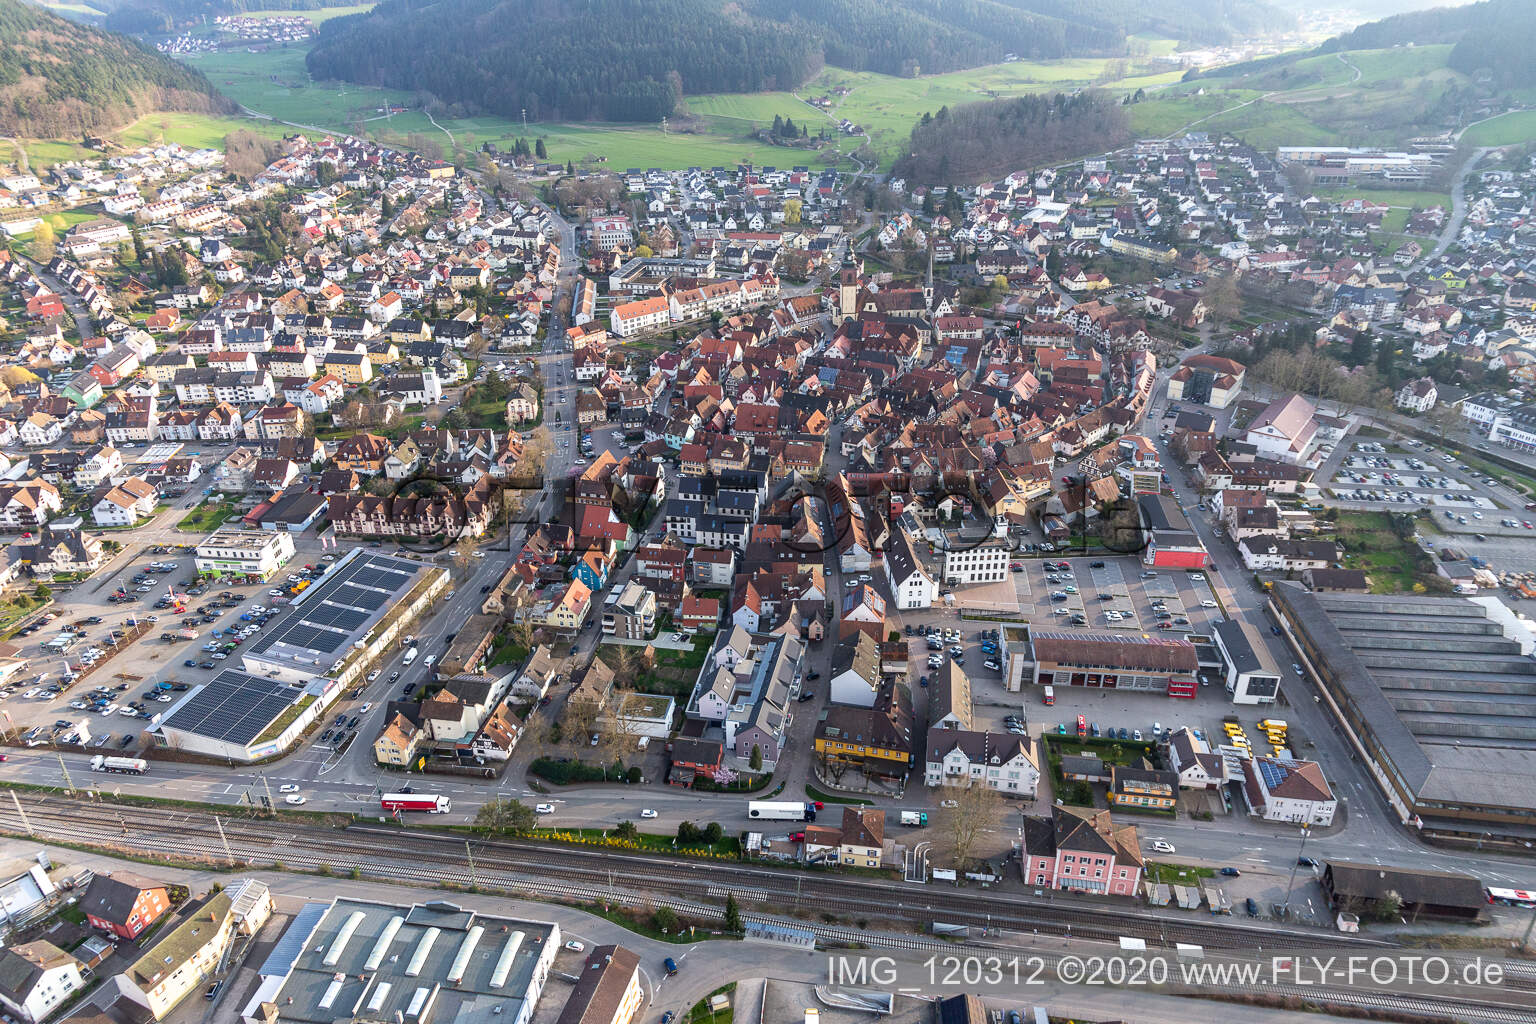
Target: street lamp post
(1305,832)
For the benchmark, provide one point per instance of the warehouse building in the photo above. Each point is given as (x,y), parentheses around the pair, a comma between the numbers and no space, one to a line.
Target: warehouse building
(1111,661)
(290,677)
(1438,693)
(366,960)
(339,626)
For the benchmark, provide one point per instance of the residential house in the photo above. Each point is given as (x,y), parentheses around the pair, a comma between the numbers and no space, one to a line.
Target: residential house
(183,958)
(854,677)
(1078,849)
(608,990)
(124,903)
(522,404)
(876,739)
(126,503)
(58,553)
(36,979)
(1004,762)
(1279,789)
(398,743)
(630,614)
(1192,762)
(911,585)
(27,506)
(1142,786)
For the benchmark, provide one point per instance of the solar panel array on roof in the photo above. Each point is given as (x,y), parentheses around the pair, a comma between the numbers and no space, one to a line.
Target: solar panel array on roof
(1273,773)
(233,706)
(333,613)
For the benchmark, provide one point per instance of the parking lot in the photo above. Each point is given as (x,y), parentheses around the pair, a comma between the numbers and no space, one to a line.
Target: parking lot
(183,640)
(1409,475)
(1148,600)
(1116,594)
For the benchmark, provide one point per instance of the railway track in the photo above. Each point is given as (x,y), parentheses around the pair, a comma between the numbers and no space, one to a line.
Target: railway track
(360,846)
(606,877)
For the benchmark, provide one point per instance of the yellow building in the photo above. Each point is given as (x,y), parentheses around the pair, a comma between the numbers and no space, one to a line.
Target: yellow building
(1144,787)
(878,738)
(350,367)
(397,744)
(567,612)
(186,956)
(383,353)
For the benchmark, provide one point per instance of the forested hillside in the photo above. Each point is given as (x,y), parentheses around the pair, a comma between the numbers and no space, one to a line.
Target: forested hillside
(986,140)
(633,60)
(1494,38)
(562,60)
(932,36)
(60,79)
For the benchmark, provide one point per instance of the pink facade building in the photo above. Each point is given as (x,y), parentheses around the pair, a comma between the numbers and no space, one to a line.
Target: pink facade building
(1079,849)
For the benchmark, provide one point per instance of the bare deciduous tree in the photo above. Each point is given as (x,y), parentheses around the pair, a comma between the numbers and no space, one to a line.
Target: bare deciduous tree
(960,826)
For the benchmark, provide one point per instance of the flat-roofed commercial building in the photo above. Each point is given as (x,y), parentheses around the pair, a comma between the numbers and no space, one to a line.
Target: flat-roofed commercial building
(339,626)
(1251,676)
(1438,693)
(240,552)
(1111,661)
(365,960)
(292,674)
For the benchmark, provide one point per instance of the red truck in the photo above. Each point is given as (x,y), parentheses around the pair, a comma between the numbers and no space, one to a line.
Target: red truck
(394,802)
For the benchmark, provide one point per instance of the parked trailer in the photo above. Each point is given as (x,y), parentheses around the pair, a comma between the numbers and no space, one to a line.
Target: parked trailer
(781,810)
(126,765)
(393,802)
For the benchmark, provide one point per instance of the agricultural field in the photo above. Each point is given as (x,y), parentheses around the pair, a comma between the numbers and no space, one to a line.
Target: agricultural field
(318,16)
(1164,116)
(1314,100)
(1405,199)
(195,130)
(79,11)
(887,106)
(1512,129)
(275,82)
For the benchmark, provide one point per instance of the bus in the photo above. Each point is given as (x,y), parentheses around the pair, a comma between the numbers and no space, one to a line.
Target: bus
(1049,696)
(1525,899)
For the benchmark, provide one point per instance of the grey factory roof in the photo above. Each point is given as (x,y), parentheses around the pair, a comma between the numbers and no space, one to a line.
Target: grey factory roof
(1444,687)
(329,617)
(374,960)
